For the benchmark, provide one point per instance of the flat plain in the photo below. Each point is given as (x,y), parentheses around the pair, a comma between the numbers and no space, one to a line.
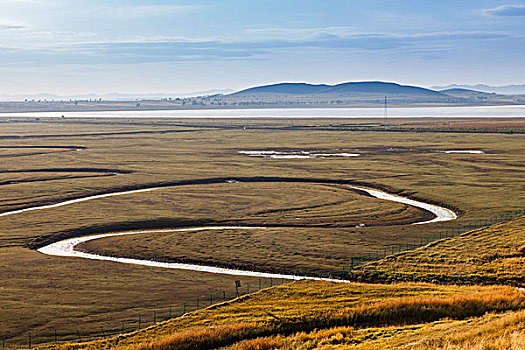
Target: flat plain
(311,225)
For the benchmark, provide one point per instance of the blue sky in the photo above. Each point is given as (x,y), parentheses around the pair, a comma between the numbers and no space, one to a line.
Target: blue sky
(130,46)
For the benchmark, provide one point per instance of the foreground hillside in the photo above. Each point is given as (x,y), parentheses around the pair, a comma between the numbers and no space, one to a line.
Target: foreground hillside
(320,312)
(492,331)
(492,255)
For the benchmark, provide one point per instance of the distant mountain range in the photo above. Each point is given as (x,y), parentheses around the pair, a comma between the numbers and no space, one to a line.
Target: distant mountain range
(467,93)
(505,90)
(282,95)
(372,89)
(344,89)
(363,93)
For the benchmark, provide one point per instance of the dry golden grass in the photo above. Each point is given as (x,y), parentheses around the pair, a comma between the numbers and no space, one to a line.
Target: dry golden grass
(306,306)
(38,295)
(490,332)
(492,255)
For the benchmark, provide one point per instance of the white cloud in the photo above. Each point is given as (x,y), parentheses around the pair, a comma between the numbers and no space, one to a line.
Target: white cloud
(12,25)
(300,33)
(132,12)
(506,11)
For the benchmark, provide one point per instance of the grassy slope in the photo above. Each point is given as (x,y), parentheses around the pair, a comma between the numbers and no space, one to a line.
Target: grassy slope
(492,331)
(493,255)
(308,305)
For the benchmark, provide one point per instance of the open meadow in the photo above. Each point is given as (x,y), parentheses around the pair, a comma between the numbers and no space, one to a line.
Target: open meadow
(299,190)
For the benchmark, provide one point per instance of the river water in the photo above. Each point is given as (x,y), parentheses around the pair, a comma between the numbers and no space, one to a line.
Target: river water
(408,112)
(66,248)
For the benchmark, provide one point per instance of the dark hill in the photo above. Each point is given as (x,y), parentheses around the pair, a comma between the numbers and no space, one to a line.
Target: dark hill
(377,87)
(285,88)
(344,89)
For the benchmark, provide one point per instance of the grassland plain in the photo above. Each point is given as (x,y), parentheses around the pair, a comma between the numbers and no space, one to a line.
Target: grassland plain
(305,314)
(107,155)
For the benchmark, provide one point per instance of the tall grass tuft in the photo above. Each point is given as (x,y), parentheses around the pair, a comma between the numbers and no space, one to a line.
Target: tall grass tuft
(397,312)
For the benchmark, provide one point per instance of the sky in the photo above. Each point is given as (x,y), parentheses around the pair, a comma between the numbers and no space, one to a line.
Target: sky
(70,47)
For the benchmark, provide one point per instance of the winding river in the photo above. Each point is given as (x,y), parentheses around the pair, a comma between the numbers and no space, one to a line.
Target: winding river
(66,248)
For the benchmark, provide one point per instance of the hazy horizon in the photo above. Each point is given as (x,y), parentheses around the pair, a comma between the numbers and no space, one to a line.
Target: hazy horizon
(179,47)
(513,89)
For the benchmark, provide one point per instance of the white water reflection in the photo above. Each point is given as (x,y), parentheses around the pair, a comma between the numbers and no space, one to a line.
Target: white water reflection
(296,154)
(465,151)
(403,112)
(66,248)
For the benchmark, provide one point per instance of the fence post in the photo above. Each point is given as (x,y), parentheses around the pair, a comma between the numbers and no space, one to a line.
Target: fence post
(211,299)
(56,336)
(122,327)
(260,284)
(3,342)
(248,287)
(154,317)
(223,295)
(102,331)
(170,311)
(197,303)
(78,333)
(184,309)
(139,321)
(29,339)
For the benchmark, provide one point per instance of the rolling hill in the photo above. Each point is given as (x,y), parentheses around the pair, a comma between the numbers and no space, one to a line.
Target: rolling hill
(363,93)
(345,89)
(516,89)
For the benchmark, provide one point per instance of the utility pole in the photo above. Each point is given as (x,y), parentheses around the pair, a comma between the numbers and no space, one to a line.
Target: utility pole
(385,113)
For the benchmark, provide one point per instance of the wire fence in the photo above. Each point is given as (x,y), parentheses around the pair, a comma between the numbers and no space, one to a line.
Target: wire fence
(144,319)
(355,261)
